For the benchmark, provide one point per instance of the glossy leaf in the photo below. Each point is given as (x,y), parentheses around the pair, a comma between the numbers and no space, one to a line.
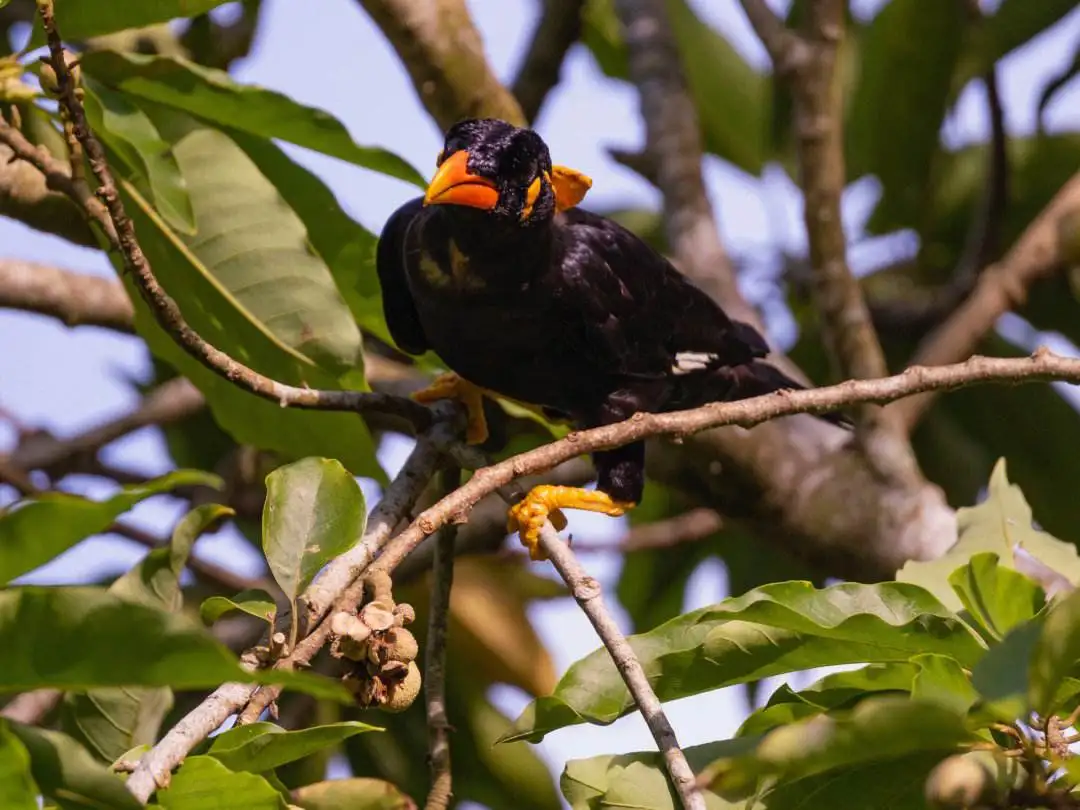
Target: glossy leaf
(215,97)
(877,729)
(1002,677)
(1056,652)
(203,783)
(314,511)
(38,528)
(908,56)
(998,525)
(255,602)
(17,788)
(66,772)
(81,19)
(356,794)
(998,598)
(259,747)
(941,679)
(112,720)
(97,639)
(774,629)
(130,134)
(731,98)
(235,203)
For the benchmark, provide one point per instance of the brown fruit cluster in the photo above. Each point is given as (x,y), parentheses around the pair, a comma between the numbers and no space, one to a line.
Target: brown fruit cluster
(385,674)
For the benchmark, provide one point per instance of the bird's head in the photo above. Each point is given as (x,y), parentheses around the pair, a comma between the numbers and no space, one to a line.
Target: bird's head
(502,173)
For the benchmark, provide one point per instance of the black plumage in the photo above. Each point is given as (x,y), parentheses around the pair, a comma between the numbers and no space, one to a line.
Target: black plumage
(553,305)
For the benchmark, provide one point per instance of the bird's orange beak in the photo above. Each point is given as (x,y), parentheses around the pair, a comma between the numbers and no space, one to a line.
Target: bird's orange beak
(453,185)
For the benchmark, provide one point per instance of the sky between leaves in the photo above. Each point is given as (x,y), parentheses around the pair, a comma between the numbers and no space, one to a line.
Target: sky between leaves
(331,56)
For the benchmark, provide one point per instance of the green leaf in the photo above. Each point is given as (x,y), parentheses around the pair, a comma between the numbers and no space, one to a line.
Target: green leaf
(877,729)
(1002,677)
(908,56)
(203,783)
(255,602)
(941,679)
(82,19)
(356,794)
(17,788)
(999,525)
(998,598)
(261,747)
(839,689)
(314,511)
(215,97)
(347,247)
(732,99)
(38,528)
(113,720)
(130,133)
(66,773)
(250,284)
(775,629)
(1056,652)
(97,639)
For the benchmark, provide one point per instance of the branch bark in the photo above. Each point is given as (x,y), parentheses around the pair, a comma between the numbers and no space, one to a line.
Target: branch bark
(1002,287)
(74,298)
(558,29)
(444,54)
(587,594)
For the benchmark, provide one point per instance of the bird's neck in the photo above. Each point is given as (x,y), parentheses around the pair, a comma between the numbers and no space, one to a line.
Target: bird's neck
(501,253)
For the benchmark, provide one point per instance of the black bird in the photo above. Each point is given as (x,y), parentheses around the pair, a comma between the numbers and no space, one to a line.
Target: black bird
(527,296)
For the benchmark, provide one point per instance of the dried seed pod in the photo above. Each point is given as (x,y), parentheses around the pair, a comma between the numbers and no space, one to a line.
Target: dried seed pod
(403,646)
(404,613)
(341,622)
(378,616)
(393,672)
(400,696)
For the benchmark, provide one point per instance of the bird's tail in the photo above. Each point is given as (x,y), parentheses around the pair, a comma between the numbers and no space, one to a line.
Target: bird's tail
(728,383)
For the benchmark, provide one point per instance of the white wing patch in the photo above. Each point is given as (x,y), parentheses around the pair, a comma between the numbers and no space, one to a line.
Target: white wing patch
(689,362)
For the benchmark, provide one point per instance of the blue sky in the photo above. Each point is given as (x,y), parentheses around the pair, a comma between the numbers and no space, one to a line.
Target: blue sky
(330,55)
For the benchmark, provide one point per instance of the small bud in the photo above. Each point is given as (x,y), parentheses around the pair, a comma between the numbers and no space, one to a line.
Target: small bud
(957,783)
(400,696)
(403,646)
(404,613)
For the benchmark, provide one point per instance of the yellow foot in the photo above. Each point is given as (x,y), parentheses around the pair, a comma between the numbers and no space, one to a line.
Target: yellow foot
(545,502)
(451,386)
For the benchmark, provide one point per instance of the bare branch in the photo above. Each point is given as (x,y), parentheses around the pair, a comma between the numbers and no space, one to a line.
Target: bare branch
(435,660)
(674,152)
(167,404)
(558,29)
(1001,287)
(121,233)
(786,50)
(444,54)
(689,527)
(74,298)
(587,594)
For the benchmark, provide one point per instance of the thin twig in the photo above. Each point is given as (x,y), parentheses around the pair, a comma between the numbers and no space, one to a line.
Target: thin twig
(689,527)
(161,304)
(586,591)
(558,29)
(435,659)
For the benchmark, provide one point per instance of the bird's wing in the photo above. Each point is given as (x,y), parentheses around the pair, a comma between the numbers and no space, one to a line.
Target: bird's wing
(648,314)
(398,305)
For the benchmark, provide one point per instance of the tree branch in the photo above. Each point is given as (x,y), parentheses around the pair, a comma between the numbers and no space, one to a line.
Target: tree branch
(435,660)
(558,29)
(1002,287)
(787,51)
(587,594)
(74,298)
(121,231)
(444,54)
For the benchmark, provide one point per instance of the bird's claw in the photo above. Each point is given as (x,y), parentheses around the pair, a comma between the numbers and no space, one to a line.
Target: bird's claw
(453,386)
(546,502)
